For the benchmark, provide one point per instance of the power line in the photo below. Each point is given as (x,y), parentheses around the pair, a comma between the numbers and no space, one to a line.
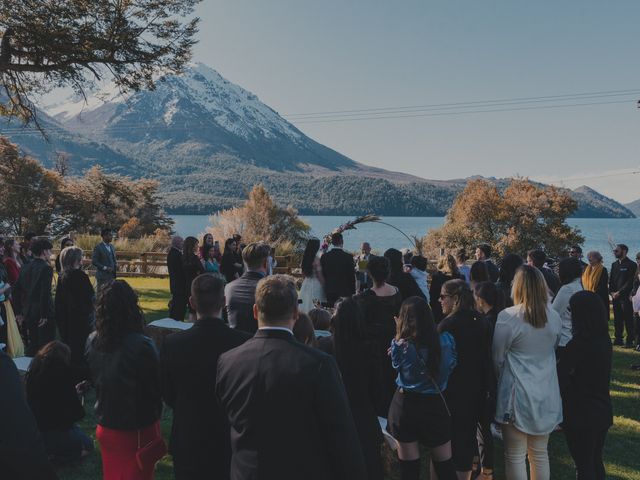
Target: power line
(124,128)
(567,96)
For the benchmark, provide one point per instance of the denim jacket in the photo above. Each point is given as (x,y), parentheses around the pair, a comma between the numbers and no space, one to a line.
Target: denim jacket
(412,372)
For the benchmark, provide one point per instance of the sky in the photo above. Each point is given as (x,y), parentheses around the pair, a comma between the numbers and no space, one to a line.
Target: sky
(309,57)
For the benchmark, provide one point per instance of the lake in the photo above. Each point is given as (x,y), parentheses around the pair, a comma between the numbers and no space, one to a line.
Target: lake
(597,231)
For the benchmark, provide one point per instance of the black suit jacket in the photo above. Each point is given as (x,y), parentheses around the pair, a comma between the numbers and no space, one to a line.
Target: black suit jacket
(240,296)
(176,272)
(623,273)
(32,292)
(22,453)
(289,414)
(199,439)
(338,269)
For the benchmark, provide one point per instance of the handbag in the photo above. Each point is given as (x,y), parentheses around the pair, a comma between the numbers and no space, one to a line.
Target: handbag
(151,453)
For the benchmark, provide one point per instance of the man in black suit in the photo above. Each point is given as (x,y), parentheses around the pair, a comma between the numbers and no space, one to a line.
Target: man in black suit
(177,282)
(22,452)
(483,254)
(199,441)
(288,410)
(338,270)
(32,300)
(240,294)
(623,273)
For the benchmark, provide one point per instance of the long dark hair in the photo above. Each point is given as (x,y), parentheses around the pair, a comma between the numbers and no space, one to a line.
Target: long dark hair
(52,353)
(491,294)
(227,246)
(589,317)
(395,260)
(569,269)
(416,324)
(348,328)
(188,249)
(117,314)
(508,266)
(479,272)
(310,252)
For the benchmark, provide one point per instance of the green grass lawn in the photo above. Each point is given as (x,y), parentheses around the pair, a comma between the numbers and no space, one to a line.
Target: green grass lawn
(621,451)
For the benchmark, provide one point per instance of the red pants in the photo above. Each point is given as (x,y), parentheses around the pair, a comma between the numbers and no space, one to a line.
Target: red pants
(119,452)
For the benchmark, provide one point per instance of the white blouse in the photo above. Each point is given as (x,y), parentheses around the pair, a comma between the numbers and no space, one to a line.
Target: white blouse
(561,305)
(525,362)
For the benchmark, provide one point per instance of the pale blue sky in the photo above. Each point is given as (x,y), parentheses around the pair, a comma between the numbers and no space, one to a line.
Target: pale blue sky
(303,56)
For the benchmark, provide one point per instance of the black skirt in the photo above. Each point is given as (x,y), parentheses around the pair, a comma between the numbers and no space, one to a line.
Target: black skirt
(416,417)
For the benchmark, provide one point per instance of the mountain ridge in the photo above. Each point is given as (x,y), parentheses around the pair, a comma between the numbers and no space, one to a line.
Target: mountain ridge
(207,141)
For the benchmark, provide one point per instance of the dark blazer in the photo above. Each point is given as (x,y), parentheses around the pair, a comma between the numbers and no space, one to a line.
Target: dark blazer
(622,276)
(104,256)
(552,280)
(602,289)
(339,274)
(74,307)
(176,272)
(199,439)
(240,296)
(22,452)
(288,411)
(32,299)
(584,372)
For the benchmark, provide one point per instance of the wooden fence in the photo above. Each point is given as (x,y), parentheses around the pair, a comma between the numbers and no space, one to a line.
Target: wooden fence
(154,264)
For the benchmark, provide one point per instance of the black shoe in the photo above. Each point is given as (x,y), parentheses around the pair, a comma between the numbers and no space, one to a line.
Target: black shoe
(618,343)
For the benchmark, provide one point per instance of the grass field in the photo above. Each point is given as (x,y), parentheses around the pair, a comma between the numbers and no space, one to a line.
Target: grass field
(623,440)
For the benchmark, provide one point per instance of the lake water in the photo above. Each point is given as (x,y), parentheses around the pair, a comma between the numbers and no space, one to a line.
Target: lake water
(597,231)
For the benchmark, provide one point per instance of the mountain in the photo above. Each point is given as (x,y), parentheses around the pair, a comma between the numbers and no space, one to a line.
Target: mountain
(207,141)
(634,207)
(592,204)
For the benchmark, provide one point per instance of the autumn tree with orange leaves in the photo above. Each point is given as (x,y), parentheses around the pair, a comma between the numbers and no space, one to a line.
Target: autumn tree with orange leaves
(519,218)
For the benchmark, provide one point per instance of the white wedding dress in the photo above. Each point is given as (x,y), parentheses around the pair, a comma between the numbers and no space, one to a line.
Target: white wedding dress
(311,289)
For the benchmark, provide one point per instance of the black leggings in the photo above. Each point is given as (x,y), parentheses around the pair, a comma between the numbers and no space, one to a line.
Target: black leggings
(585,446)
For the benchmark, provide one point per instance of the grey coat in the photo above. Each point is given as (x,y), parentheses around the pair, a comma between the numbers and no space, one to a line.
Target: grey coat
(104,257)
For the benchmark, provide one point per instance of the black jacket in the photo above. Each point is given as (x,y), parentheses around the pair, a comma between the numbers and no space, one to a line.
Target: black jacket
(467,386)
(192,267)
(127,383)
(553,282)
(176,272)
(406,284)
(53,399)
(288,411)
(623,273)
(240,296)
(602,289)
(32,292)
(199,439)
(22,452)
(74,307)
(339,274)
(584,372)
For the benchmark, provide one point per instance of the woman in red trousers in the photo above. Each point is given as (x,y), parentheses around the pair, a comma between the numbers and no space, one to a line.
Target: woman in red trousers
(125,369)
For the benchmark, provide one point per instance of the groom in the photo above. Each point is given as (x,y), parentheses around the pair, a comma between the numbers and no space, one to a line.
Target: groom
(338,271)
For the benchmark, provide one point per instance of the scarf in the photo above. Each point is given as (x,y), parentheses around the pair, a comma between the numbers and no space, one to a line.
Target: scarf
(591,277)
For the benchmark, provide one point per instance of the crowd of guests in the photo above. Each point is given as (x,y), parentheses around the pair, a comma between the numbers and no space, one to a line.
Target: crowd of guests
(276,382)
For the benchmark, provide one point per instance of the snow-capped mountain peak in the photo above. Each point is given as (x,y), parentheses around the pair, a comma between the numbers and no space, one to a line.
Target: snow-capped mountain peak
(228,105)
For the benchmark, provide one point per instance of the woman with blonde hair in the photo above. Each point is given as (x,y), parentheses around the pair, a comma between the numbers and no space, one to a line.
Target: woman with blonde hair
(447,270)
(595,278)
(528,397)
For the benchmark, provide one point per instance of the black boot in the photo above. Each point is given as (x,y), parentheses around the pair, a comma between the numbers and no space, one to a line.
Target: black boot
(445,470)
(410,469)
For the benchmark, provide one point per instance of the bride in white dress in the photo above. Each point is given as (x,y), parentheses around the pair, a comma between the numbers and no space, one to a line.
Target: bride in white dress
(313,283)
